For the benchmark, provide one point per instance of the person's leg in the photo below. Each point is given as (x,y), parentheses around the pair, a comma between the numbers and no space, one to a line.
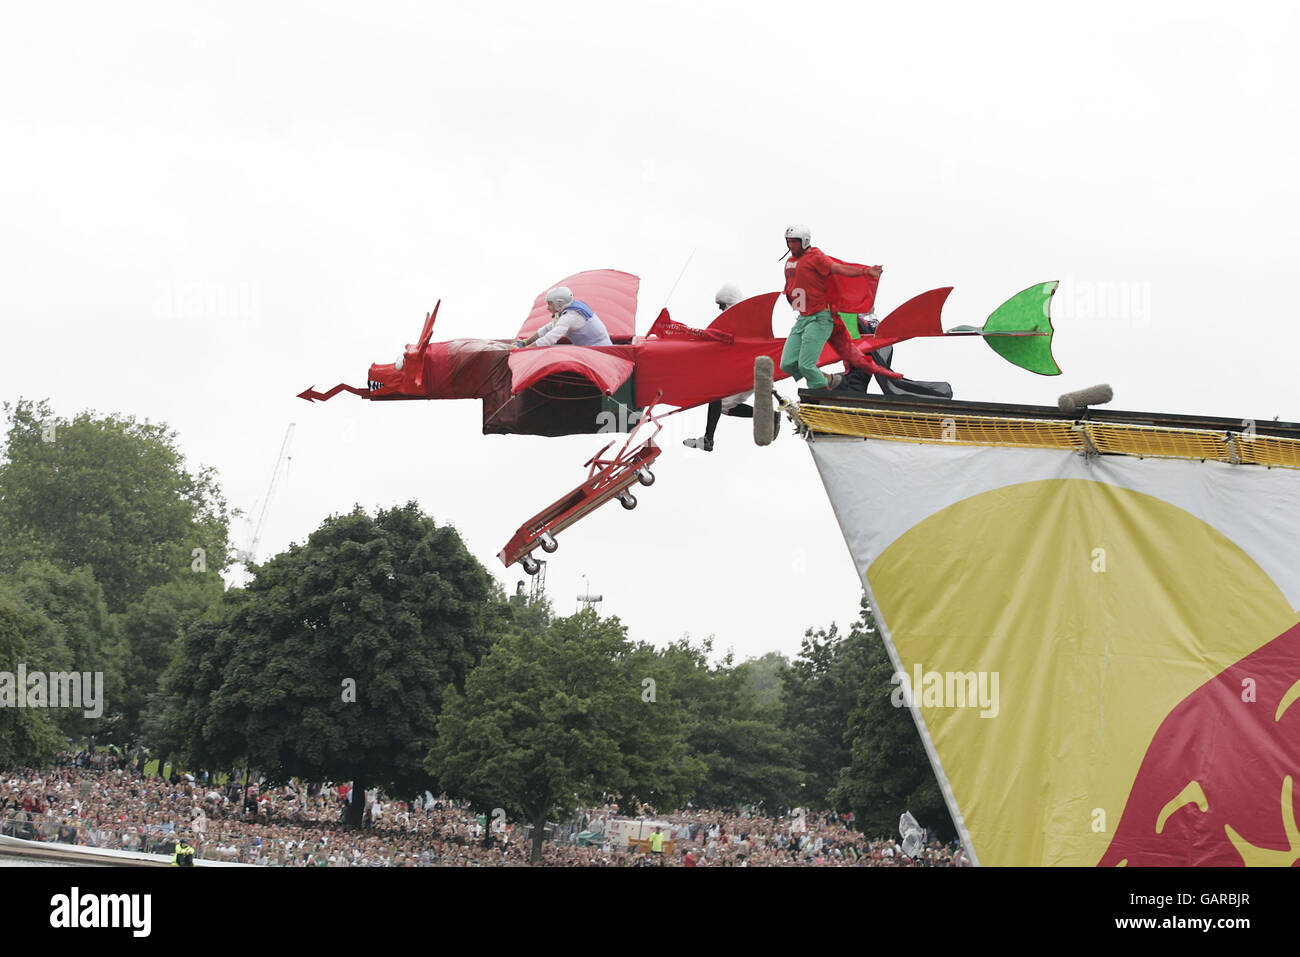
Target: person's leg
(711,424)
(793,344)
(705,441)
(817,330)
(740,410)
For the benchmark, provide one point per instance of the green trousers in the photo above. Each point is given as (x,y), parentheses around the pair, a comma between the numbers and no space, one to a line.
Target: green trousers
(803,347)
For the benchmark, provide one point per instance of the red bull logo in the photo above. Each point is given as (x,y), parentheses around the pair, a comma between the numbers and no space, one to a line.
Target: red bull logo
(1217,786)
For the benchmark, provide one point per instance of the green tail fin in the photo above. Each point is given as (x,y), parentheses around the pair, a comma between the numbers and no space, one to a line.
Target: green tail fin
(1020,330)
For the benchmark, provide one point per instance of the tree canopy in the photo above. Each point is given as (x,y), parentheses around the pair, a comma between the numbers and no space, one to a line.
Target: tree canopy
(332,664)
(69,628)
(860,753)
(107,493)
(557,717)
(28,736)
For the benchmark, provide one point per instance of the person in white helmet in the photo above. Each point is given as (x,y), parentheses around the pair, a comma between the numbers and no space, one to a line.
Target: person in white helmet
(733,405)
(807,281)
(572,319)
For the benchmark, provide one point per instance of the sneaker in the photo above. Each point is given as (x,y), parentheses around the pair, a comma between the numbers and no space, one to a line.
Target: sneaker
(833,381)
(703,442)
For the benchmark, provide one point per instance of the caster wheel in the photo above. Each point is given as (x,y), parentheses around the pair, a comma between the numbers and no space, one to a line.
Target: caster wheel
(549,544)
(531,566)
(645,477)
(627,500)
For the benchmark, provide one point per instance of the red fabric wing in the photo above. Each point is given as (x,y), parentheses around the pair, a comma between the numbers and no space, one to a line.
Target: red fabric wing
(919,316)
(610,292)
(608,367)
(852,293)
(749,319)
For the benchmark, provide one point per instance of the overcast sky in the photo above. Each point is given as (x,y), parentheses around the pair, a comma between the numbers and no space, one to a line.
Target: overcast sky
(205,210)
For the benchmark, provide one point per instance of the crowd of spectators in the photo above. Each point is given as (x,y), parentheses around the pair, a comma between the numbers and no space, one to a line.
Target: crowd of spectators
(105,799)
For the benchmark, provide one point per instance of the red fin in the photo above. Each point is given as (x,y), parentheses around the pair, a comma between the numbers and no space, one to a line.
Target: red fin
(919,316)
(667,328)
(660,324)
(427,332)
(749,319)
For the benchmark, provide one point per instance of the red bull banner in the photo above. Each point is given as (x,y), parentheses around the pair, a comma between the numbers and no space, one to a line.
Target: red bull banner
(1101,653)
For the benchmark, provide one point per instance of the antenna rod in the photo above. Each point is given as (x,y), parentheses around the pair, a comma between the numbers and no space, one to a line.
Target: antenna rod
(679,279)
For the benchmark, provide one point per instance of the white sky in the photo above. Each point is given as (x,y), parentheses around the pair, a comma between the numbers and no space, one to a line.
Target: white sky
(204,210)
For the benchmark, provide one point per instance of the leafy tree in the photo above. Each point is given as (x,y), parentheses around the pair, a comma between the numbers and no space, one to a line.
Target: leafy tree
(529,616)
(108,493)
(333,663)
(554,718)
(860,752)
(176,714)
(821,690)
(764,676)
(28,738)
(150,631)
(889,771)
(70,629)
(746,753)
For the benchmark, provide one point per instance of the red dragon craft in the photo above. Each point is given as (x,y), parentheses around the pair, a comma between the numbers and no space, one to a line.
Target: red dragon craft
(565,389)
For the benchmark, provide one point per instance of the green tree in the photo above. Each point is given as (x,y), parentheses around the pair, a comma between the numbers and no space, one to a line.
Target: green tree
(150,630)
(746,753)
(821,690)
(888,771)
(332,664)
(860,752)
(28,738)
(108,493)
(764,676)
(554,718)
(70,629)
(173,724)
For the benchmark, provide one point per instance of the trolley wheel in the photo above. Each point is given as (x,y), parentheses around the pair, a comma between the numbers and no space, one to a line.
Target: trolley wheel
(627,500)
(548,542)
(645,477)
(531,565)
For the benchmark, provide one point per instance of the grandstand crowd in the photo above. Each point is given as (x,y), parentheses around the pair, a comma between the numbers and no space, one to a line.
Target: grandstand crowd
(105,799)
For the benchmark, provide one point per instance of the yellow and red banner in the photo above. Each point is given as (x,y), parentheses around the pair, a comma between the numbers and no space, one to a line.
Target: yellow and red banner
(1101,653)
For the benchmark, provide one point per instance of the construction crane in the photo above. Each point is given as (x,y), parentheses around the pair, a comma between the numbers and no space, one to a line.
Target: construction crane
(248,555)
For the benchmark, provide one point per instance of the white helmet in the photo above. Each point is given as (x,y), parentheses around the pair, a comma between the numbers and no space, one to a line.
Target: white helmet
(727,296)
(801,233)
(559,298)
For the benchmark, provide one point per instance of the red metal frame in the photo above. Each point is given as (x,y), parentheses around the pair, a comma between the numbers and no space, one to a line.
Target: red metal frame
(607,478)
